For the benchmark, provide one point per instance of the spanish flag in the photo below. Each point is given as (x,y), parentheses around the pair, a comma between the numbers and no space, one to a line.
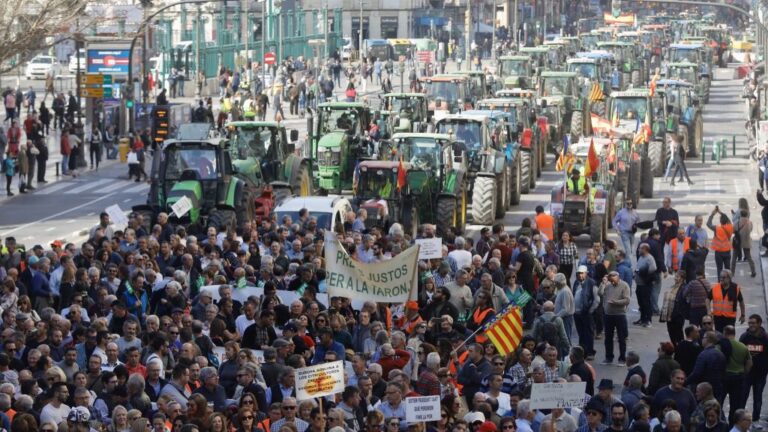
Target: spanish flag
(596,94)
(506,330)
(600,124)
(593,162)
(401,175)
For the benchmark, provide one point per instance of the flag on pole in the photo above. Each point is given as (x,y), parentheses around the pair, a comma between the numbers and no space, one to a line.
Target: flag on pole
(401,175)
(566,143)
(564,162)
(647,132)
(653,83)
(600,124)
(593,162)
(506,330)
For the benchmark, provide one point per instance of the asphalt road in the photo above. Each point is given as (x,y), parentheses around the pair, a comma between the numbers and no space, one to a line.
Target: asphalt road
(65,208)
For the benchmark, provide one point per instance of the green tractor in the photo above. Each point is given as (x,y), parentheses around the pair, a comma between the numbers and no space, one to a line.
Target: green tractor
(562,89)
(690,72)
(594,79)
(516,72)
(202,172)
(436,189)
(339,142)
(683,113)
(493,166)
(405,112)
(633,112)
(630,63)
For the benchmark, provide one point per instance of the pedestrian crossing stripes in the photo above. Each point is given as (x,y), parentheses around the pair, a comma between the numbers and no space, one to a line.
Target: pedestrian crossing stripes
(94,187)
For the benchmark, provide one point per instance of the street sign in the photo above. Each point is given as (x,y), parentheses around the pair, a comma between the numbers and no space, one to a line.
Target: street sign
(96,92)
(95,79)
(270,58)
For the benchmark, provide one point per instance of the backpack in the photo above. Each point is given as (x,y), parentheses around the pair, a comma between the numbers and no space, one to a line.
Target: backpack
(199,115)
(550,333)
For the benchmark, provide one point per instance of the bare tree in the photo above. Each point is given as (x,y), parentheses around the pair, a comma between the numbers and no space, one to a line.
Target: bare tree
(29,26)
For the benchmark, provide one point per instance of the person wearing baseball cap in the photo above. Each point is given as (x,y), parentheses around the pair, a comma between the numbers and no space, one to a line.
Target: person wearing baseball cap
(586,299)
(77,420)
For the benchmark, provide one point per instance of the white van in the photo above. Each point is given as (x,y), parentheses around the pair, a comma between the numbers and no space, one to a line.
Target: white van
(76,59)
(329,210)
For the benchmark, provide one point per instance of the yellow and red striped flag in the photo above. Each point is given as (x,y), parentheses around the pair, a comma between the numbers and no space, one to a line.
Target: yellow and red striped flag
(506,331)
(596,93)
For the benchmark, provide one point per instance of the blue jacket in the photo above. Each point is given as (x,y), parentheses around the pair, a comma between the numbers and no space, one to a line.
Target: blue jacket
(40,285)
(320,351)
(709,367)
(625,271)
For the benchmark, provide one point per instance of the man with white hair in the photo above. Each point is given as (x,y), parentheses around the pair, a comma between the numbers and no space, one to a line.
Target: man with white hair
(428,384)
(524,416)
(460,255)
(112,360)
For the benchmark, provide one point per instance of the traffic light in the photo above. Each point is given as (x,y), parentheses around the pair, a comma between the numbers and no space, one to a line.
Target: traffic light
(128,94)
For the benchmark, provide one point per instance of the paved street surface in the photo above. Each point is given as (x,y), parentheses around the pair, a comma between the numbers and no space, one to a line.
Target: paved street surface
(66,206)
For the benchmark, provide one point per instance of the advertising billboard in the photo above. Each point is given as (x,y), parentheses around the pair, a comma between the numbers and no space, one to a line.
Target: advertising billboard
(107,61)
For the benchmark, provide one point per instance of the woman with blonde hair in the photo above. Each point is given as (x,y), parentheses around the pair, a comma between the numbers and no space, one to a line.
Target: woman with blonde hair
(140,425)
(228,369)
(218,423)
(119,420)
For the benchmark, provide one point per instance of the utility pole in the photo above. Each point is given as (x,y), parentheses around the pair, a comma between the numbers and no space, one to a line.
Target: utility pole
(247,32)
(516,36)
(263,43)
(360,36)
(197,48)
(493,35)
(468,36)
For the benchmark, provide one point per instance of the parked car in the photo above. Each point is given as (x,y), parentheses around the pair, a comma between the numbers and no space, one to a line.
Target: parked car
(74,60)
(42,66)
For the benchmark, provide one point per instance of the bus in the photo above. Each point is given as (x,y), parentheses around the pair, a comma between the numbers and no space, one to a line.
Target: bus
(402,47)
(378,49)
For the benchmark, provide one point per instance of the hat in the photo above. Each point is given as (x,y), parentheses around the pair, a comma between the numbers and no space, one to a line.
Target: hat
(32,260)
(594,405)
(177,310)
(290,327)
(582,269)
(605,383)
(280,343)
(57,243)
(474,417)
(79,415)
(488,426)
(412,305)
(667,347)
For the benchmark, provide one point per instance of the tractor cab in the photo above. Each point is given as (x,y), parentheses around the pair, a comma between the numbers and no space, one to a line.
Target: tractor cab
(479,84)
(516,71)
(409,108)
(339,142)
(447,94)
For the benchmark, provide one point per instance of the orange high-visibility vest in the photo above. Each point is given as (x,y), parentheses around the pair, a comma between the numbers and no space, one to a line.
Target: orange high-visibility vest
(674,245)
(478,317)
(721,242)
(455,371)
(546,225)
(721,306)
(409,326)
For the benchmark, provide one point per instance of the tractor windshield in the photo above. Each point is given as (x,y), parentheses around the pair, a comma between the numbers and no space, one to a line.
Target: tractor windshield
(445,90)
(630,108)
(377,182)
(399,104)
(557,86)
(469,132)
(586,70)
(514,67)
(199,163)
(683,73)
(255,142)
(552,113)
(335,119)
(683,56)
(423,153)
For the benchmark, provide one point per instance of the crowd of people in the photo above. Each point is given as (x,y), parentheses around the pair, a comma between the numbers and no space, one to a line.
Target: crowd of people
(145,327)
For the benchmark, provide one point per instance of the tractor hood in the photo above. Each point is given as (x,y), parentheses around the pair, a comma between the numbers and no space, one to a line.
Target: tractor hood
(191,189)
(332,140)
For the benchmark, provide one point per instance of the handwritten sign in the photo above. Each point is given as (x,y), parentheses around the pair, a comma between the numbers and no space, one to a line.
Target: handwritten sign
(422,409)
(430,248)
(319,380)
(599,205)
(182,206)
(116,215)
(557,395)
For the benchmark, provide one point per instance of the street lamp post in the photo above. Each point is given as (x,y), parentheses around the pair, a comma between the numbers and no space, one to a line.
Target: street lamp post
(468,35)
(360,36)
(197,49)
(263,43)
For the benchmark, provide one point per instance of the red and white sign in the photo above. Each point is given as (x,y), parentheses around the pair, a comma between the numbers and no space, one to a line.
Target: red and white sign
(426,56)
(270,58)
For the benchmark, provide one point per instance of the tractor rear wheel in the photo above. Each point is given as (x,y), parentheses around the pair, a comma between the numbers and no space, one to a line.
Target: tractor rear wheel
(502,191)
(525,172)
(222,218)
(636,80)
(577,125)
(246,208)
(696,137)
(447,214)
(302,181)
(484,201)
(515,185)
(597,228)
(598,107)
(657,156)
(634,178)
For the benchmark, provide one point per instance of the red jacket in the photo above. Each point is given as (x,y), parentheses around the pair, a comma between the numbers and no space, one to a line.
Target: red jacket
(397,361)
(66,149)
